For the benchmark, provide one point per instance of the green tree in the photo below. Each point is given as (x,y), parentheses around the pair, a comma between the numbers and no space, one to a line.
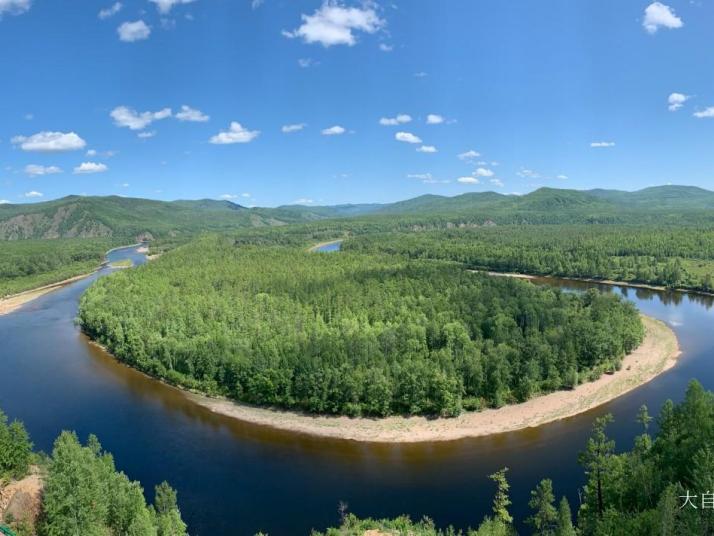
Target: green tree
(595,460)
(501,500)
(565,519)
(545,515)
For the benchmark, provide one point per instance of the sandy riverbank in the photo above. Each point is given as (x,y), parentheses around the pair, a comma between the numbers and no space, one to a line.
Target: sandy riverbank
(657,354)
(10,303)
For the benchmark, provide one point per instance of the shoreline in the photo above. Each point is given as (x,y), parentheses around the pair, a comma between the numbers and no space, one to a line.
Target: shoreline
(657,353)
(11,303)
(610,282)
(8,304)
(319,245)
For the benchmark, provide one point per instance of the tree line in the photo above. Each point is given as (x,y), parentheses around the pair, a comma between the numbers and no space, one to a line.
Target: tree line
(663,485)
(353,334)
(678,257)
(83,492)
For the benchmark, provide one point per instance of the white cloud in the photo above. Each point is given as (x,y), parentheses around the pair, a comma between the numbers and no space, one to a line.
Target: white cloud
(14,7)
(4,202)
(400,119)
(236,133)
(334,24)
(146,134)
(133,31)
(164,6)
(384,47)
(287,129)
(562,177)
(50,142)
(421,74)
(228,196)
(676,101)
(426,149)
(92,152)
(110,11)
(526,173)
(659,15)
(705,113)
(483,172)
(469,155)
(407,137)
(85,168)
(255,4)
(189,114)
(333,131)
(602,144)
(131,119)
(33,193)
(34,170)
(468,180)
(434,119)
(496,182)
(303,201)
(306,62)
(420,176)
(124,185)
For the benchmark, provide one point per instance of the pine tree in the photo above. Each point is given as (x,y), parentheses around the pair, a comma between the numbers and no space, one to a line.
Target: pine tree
(545,516)
(501,500)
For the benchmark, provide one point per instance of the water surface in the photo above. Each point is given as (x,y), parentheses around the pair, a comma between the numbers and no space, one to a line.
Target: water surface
(237,478)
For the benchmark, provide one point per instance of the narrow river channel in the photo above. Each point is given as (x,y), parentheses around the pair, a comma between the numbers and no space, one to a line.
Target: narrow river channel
(236,478)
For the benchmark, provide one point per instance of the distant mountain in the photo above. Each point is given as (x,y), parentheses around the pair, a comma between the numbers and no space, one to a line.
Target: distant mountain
(76,216)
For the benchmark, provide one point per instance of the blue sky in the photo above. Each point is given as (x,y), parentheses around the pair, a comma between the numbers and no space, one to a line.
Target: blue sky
(279,101)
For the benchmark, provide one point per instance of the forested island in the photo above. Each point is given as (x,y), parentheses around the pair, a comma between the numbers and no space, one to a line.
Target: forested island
(353,334)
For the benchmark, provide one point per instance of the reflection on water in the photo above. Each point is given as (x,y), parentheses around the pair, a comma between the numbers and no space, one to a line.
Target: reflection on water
(238,478)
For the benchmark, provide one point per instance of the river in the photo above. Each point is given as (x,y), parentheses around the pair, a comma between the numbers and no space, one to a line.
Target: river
(236,478)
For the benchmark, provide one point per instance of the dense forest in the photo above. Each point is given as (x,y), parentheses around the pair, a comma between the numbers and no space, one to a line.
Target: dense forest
(352,334)
(663,485)
(677,257)
(83,492)
(27,264)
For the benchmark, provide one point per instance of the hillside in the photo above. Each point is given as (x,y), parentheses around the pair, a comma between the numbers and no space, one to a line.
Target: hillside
(91,217)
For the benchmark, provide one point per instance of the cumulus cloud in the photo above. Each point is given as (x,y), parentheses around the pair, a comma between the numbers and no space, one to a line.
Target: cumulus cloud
(400,119)
(434,119)
(50,142)
(127,117)
(86,168)
(189,114)
(659,15)
(496,182)
(484,172)
(110,11)
(469,155)
(602,144)
(14,7)
(164,6)
(426,149)
(133,31)
(333,131)
(384,47)
(236,133)
(33,193)
(287,129)
(468,180)
(34,170)
(407,137)
(705,113)
(676,101)
(335,24)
